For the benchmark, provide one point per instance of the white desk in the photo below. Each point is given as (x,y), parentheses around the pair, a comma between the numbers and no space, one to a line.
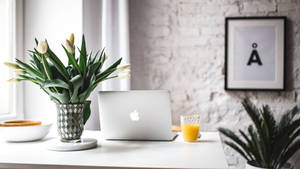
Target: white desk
(206,154)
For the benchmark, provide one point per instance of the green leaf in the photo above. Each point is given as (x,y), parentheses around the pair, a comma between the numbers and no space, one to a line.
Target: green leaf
(250,150)
(228,133)
(286,127)
(236,148)
(77,82)
(95,57)
(72,60)
(58,63)
(30,70)
(287,118)
(269,125)
(36,81)
(36,41)
(46,67)
(109,70)
(56,83)
(257,119)
(289,153)
(101,61)
(253,148)
(38,63)
(86,111)
(62,97)
(82,57)
(257,145)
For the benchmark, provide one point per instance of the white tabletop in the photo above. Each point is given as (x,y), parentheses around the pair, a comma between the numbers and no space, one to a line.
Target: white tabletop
(205,154)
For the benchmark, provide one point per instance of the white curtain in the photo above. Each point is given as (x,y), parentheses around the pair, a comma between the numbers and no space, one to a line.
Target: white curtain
(115,38)
(112,33)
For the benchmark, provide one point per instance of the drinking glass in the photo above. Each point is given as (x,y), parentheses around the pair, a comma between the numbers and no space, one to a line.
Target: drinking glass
(190,126)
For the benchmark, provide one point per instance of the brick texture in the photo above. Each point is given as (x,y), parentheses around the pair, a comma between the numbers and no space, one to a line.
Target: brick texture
(178,45)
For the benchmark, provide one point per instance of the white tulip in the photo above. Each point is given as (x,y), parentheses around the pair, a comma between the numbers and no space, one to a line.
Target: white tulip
(123,67)
(70,48)
(42,47)
(72,39)
(13,80)
(19,71)
(11,65)
(124,74)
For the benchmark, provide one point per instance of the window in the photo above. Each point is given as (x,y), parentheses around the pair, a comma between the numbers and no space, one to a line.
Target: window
(9,48)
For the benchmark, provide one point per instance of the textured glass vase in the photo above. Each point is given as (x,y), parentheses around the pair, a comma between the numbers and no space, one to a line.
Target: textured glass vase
(70,122)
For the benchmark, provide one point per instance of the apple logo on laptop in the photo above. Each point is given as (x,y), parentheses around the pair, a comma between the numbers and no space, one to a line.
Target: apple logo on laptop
(135,115)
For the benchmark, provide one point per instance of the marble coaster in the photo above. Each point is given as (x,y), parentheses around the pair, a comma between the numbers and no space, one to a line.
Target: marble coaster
(86,143)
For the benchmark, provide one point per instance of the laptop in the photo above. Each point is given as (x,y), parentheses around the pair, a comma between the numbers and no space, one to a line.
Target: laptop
(135,115)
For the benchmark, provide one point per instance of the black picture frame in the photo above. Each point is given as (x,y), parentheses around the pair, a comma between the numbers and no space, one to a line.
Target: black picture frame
(227,87)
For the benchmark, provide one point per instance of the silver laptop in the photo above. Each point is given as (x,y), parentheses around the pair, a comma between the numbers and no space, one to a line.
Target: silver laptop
(135,115)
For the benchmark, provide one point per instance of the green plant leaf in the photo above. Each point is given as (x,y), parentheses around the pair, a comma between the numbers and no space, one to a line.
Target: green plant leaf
(286,127)
(56,83)
(33,72)
(62,97)
(228,133)
(236,148)
(269,125)
(257,145)
(77,82)
(63,71)
(256,117)
(250,147)
(38,63)
(95,57)
(289,153)
(36,81)
(86,111)
(36,41)
(109,70)
(46,67)
(72,60)
(83,56)
(100,61)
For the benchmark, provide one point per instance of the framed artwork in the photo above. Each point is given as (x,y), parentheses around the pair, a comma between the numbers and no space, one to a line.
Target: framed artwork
(255,53)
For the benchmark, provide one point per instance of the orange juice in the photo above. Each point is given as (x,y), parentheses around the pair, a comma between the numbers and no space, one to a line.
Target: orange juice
(190,132)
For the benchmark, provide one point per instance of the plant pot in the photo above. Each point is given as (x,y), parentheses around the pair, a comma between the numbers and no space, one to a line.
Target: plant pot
(249,166)
(70,122)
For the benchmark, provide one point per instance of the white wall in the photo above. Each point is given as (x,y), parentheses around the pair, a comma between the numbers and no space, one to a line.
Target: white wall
(179,45)
(54,20)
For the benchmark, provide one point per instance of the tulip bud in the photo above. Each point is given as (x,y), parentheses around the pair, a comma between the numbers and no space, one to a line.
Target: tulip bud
(42,47)
(19,71)
(123,67)
(11,65)
(13,80)
(72,39)
(124,74)
(70,47)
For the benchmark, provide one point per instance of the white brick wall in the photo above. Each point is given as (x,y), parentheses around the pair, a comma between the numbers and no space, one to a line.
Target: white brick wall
(179,45)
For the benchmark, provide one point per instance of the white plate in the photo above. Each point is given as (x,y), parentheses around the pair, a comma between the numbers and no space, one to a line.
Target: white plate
(86,143)
(25,133)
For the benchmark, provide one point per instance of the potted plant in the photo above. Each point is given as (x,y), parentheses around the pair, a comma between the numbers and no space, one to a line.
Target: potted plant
(268,143)
(69,86)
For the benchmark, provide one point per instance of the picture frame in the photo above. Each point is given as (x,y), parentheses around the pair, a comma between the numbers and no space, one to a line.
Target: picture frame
(255,53)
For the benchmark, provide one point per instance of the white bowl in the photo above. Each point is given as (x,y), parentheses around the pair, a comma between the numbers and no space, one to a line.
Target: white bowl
(25,133)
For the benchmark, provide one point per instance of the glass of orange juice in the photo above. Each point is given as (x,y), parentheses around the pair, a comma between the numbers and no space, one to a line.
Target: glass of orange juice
(190,126)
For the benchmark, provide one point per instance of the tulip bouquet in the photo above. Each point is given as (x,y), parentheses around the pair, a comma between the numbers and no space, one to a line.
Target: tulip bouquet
(71,83)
